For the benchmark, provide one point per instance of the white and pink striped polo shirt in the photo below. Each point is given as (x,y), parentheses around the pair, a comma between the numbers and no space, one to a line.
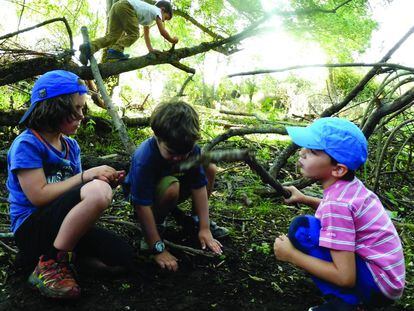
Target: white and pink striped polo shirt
(353,219)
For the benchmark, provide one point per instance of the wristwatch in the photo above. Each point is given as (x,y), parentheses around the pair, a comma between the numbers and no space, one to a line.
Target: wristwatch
(158,247)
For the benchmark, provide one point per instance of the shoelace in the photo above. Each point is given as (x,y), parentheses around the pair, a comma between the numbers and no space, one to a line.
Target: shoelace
(58,271)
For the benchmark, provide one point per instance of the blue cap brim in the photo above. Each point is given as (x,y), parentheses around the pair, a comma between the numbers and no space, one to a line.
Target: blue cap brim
(304,137)
(27,113)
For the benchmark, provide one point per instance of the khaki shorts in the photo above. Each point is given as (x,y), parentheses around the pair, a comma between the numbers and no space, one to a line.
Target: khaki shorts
(167,181)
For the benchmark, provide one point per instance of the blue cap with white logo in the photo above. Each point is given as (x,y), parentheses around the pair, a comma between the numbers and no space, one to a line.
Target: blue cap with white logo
(52,84)
(339,138)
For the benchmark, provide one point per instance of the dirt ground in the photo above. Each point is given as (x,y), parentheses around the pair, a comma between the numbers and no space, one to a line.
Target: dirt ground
(247,277)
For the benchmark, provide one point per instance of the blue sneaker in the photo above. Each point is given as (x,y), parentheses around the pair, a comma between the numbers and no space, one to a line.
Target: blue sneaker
(335,304)
(116,55)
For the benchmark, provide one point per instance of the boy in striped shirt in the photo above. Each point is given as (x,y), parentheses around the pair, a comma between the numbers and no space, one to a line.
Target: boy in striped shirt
(350,247)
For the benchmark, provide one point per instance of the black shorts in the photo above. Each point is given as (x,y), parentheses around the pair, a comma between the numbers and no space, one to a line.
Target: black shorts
(37,233)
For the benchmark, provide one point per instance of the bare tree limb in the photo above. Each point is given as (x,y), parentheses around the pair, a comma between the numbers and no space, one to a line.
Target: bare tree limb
(183,67)
(242,132)
(384,151)
(264,71)
(186,249)
(181,91)
(117,121)
(21,14)
(407,99)
(53,20)
(313,10)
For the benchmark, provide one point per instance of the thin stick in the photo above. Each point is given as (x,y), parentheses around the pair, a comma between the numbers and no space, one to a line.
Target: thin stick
(7,247)
(118,123)
(186,249)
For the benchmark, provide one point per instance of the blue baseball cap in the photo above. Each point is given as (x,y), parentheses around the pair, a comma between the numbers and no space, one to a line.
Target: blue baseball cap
(339,138)
(52,84)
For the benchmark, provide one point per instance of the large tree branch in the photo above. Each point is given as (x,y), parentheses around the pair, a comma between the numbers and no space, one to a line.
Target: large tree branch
(264,71)
(32,67)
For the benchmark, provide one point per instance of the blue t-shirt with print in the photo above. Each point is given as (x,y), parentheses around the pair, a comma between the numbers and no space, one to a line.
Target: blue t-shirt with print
(31,152)
(148,167)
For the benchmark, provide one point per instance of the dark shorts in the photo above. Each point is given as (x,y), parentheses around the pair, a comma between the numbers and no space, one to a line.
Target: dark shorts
(38,232)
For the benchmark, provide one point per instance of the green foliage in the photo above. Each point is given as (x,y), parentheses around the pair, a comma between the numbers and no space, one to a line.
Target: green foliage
(341,34)
(263,248)
(345,79)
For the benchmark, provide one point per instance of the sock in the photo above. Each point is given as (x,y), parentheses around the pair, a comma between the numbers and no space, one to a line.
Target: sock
(51,253)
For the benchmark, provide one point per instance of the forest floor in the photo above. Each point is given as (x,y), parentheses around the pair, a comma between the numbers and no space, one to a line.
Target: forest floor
(245,277)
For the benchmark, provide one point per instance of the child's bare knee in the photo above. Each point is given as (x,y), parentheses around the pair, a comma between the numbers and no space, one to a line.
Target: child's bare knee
(172,192)
(211,169)
(98,192)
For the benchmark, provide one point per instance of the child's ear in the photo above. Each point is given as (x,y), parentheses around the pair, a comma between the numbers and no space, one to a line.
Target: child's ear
(339,171)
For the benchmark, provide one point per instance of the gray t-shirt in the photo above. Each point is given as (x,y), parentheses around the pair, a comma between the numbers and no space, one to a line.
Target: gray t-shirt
(147,13)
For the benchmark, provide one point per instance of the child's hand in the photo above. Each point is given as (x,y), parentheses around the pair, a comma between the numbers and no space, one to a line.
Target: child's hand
(174,40)
(103,172)
(206,239)
(120,177)
(166,261)
(283,248)
(295,197)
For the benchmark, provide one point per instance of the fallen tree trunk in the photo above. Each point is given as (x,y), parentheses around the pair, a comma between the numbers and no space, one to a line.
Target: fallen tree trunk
(12,118)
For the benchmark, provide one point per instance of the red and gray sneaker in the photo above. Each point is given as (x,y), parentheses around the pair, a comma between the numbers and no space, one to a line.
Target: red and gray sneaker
(55,278)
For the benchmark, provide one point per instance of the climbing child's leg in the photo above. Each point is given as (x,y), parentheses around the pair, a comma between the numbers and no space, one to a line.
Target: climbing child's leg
(114,32)
(129,25)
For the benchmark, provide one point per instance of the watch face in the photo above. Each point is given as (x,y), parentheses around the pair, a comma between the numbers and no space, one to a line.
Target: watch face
(159,247)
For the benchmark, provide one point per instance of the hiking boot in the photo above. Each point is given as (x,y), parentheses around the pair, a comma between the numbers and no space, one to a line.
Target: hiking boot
(116,55)
(335,304)
(54,277)
(85,53)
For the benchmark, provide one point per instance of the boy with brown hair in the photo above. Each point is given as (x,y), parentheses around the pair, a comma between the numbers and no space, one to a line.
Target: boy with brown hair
(154,190)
